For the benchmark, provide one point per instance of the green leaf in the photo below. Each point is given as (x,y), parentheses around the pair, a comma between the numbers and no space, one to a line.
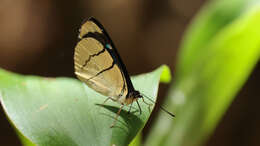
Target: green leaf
(217,55)
(64,111)
(213,17)
(137,140)
(25,141)
(166,75)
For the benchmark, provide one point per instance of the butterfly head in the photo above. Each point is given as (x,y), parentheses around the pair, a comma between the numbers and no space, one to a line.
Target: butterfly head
(133,96)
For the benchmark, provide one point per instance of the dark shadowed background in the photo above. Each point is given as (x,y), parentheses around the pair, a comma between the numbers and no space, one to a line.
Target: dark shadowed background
(38,37)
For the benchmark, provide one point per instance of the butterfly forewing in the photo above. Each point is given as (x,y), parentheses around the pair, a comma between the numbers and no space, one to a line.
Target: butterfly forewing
(94,64)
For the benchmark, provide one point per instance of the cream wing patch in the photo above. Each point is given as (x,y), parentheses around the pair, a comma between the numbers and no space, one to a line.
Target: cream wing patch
(87,27)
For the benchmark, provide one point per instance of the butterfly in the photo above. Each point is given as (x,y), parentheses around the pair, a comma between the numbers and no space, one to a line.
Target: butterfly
(98,64)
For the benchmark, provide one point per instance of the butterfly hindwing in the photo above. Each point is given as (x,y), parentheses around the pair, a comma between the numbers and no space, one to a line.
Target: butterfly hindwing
(96,64)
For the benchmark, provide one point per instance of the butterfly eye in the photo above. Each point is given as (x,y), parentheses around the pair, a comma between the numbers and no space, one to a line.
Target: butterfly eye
(108,46)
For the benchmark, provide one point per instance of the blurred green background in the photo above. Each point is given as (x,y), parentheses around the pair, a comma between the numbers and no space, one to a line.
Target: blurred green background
(38,37)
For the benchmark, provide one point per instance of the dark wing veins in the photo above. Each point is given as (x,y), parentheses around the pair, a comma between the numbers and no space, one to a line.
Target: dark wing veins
(93,55)
(110,67)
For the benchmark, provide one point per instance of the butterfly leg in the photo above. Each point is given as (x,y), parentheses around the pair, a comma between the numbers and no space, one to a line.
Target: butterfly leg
(149,105)
(130,108)
(107,100)
(139,107)
(117,114)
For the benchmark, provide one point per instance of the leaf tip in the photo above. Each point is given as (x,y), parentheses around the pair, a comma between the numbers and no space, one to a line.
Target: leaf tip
(165,74)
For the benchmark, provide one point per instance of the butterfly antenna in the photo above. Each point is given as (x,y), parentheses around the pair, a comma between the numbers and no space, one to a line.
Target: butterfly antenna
(162,108)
